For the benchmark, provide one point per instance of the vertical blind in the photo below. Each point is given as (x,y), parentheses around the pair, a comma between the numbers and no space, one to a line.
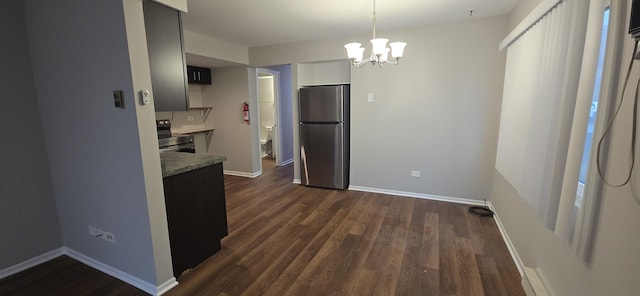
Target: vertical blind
(541,80)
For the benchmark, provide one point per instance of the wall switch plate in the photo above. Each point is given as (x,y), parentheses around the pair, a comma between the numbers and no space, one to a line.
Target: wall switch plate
(93,231)
(118,98)
(99,233)
(370,98)
(415,174)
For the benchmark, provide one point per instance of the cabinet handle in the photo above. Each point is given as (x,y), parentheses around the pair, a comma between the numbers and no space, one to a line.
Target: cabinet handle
(198,75)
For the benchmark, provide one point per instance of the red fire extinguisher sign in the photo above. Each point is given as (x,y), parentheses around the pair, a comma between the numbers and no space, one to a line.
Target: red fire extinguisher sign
(245,112)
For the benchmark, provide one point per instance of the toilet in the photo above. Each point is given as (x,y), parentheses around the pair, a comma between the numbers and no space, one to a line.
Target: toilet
(266,144)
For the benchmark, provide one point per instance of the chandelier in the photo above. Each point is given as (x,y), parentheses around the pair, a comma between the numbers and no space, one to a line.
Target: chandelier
(379,52)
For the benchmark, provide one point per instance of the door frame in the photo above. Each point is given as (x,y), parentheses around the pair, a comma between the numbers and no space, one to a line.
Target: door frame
(277,130)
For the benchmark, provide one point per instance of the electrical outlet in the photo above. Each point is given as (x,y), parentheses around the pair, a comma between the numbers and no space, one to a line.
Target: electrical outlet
(415,174)
(190,118)
(110,237)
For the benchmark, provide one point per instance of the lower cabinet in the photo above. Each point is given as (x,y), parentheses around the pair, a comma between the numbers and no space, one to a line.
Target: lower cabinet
(196,214)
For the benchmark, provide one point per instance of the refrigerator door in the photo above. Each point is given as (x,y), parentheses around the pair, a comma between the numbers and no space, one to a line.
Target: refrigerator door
(323,157)
(323,103)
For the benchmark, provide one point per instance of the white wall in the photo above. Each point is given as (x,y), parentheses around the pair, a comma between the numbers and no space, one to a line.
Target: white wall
(615,263)
(232,137)
(436,112)
(203,45)
(29,224)
(104,161)
(266,103)
(521,11)
(324,73)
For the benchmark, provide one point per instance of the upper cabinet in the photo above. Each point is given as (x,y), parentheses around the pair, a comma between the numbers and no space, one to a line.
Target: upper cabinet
(198,75)
(166,57)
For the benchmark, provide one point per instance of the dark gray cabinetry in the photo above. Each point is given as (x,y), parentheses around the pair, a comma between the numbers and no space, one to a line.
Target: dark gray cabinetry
(166,57)
(196,215)
(198,75)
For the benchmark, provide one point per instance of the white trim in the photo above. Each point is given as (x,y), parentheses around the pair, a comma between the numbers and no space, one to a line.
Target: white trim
(297,181)
(116,273)
(418,195)
(243,174)
(286,162)
(508,242)
(24,265)
(121,275)
(167,286)
(533,283)
(535,15)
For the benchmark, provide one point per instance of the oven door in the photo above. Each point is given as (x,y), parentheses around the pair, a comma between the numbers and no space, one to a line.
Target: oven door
(189,148)
(182,143)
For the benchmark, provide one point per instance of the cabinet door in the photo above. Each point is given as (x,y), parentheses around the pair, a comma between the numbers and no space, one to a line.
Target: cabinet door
(196,215)
(198,75)
(216,201)
(166,57)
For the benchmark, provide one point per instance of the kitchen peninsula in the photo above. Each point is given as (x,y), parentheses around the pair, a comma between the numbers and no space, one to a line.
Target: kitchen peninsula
(196,207)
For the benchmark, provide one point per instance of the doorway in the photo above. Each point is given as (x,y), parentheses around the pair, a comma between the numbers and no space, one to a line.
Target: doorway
(269,115)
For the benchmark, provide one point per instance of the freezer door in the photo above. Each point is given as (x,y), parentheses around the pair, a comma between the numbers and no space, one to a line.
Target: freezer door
(323,156)
(323,103)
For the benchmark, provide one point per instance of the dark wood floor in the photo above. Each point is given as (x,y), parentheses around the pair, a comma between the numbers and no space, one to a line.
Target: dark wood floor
(65,276)
(287,239)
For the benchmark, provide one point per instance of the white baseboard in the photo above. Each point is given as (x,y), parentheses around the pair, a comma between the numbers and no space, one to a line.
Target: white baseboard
(121,275)
(243,174)
(116,273)
(24,265)
(297,181)
(286,162)
(418,195)
(508,242)
(533,284)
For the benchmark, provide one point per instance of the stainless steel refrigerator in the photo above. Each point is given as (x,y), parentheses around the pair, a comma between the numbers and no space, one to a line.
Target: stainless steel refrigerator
(324,136)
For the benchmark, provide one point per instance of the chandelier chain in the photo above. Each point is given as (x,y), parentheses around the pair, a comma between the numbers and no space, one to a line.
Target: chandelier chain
(374,19)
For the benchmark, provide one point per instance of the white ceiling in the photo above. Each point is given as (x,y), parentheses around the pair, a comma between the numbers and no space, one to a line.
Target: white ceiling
(257,23)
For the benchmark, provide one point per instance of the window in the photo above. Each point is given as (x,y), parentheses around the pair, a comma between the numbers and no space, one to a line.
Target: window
(589,141)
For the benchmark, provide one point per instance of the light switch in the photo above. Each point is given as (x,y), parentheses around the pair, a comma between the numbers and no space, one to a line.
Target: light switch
(118,98)
(370,97)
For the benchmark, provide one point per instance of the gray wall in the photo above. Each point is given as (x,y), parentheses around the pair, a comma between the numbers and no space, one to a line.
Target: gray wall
(286,111)
(104,161)
(436,112)
(615,263)
(29,224)
(232,137)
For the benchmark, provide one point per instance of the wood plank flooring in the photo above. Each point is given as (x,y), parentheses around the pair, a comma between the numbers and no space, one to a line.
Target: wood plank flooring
(64,276)
(287,239)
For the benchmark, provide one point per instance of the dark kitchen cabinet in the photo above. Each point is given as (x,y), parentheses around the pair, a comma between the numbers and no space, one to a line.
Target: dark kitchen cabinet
(196,215)
(167,64)
(198,75)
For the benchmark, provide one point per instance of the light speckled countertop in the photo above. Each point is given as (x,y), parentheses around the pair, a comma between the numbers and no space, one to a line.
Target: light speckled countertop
(174,163)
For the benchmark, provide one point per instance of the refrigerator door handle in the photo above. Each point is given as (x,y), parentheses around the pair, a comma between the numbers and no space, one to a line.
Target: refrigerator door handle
(303,156)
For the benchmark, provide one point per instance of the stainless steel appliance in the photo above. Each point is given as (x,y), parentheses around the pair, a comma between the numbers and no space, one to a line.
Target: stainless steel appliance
(324,136)
(168,142)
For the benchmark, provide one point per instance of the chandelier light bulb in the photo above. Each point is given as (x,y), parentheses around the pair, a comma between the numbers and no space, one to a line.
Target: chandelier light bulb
(379,44)
(379,51)
(397,49)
